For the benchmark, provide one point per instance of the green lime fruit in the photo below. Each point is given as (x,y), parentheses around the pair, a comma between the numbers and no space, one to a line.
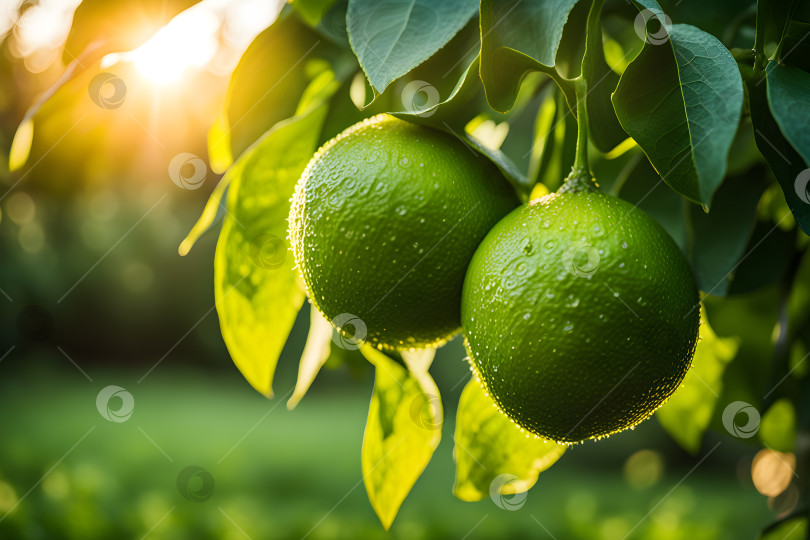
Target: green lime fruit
(581,315)
(383,224)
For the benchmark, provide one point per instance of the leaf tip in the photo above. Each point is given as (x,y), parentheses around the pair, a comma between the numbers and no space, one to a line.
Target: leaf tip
(293,402)
(21,145)
(185,247)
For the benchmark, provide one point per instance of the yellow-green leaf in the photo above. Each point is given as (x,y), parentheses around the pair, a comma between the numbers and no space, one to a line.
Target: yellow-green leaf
(402,431)
(687,414)
(21,145)
(777,429)
(256,288)
(208,216)
(493,455)
(316,353)
(220,156)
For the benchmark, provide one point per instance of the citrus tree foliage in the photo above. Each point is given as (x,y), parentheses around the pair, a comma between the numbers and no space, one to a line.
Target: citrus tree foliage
(672,99)
(698,115)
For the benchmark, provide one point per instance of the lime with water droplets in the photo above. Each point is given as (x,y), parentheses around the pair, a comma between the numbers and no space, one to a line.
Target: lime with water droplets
(580,315)
(383,224)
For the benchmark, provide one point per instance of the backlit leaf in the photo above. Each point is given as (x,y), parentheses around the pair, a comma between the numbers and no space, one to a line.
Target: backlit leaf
(687,414)
(493,455)
(315,355)
(402,431)
(257,291)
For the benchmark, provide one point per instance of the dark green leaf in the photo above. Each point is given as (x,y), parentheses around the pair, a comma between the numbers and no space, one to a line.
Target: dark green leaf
(787,165)
(392,38)
(402,432)
(717,240)
(504,164)
(717,17)
(768,255)
(605,130)
(429,113)
(256,289)
(789,100)
(795,47)
(681,101)
(493,455)
(687,414)
(645,189)
(519,37)
(794,528)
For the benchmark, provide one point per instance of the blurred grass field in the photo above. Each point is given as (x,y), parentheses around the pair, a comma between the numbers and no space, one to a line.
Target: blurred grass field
(281,474)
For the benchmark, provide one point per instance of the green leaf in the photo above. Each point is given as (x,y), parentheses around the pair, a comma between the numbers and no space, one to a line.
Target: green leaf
(644,189)
(777,429)
(392,38)
(794,45)
(434,114)
(793,528)
(789,100)
(559,144)
(316,353)
(24,136)
(504,164)
(519,37)
(604,128)
(543,139)
(271,77)
(119,26)
(256,289)
(681,101)
(212,212)
(687,414)
(402,432)
(767,256)
(493,455)
(717,240)
(312,11)
(787,165)
(220,156)
(21,145)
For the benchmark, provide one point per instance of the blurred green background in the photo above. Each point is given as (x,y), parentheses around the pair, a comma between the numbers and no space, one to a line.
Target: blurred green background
(93,293)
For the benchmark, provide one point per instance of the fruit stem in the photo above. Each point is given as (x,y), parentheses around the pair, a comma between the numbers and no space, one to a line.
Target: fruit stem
(759,40)
(581,178)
